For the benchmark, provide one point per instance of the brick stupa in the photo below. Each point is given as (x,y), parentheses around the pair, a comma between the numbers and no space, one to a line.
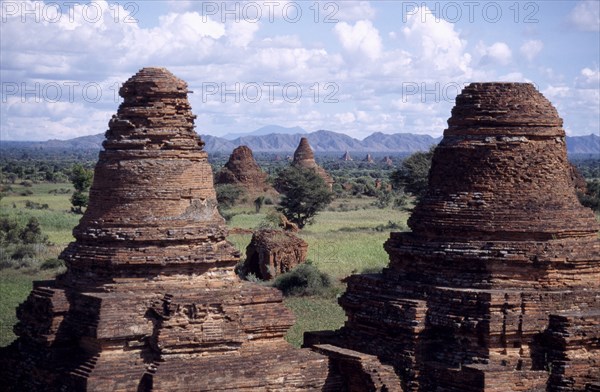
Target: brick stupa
(242,170)
(497,287)
(150,301)
(305,157)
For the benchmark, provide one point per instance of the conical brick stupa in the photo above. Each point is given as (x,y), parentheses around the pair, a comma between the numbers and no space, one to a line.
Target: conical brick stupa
(305,157)
(497,286)
(150,301)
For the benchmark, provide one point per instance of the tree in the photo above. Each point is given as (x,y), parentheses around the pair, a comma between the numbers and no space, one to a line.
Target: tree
(81,178)
(591,198)
(228,195)
(258,203)
(32,233)
(413,174)
(304,194)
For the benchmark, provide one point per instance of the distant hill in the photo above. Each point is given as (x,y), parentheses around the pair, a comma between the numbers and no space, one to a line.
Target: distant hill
(321,141)
(589,144)
(266,130)
(401,142)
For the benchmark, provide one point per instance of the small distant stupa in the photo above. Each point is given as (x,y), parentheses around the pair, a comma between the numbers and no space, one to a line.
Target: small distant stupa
(242,170)
(387,160)
(346,157)
(305,157)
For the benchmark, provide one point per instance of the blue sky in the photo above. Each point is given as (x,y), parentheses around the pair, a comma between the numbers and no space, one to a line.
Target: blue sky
(347,66)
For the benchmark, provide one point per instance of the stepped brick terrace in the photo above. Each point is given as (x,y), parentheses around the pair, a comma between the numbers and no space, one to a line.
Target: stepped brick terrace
(150,301)
(497,287)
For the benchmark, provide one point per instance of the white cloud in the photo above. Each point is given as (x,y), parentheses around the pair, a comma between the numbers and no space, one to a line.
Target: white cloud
(345,118)
(439,45)
(579,106)
(360,39)
(242,33)
(588,78)
(497,53)
(585,16)
(366,77)
(531,48)
(348,11)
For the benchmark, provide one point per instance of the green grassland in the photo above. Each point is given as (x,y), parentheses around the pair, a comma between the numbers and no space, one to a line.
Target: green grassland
(347,238)
(56,220)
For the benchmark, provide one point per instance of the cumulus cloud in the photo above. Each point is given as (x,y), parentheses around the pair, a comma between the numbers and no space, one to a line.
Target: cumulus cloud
(347,62)
(242,33)
(360,39)
(346,117)
(531,48)
(497,53)
(588,78)
(348,11)
(585,16)
(578,105)
(439,44)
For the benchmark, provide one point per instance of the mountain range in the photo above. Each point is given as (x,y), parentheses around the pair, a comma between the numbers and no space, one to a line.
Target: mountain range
(266,130)
(321,141)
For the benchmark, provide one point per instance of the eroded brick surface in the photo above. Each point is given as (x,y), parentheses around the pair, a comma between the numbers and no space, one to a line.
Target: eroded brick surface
(150,301)
(497,287)
(242,170)
(273,252)
(305,157)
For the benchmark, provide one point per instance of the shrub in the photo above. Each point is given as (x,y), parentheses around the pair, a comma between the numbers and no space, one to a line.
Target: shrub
(251,277)
(268,201)
(32,233)
(372,270)
(304,280)
(32,205)
(258,203)
(591,198)
(52,264)
(228,195)
(23,252)
(271,221)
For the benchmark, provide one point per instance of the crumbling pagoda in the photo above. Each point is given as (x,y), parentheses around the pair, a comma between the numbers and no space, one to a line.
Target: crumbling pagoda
(242,170)
(150,301)
(497,287)
(305,157)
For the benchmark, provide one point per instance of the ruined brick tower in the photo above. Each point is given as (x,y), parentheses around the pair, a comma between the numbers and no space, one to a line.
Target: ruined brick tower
(497,287)
(150,301)
(305,157)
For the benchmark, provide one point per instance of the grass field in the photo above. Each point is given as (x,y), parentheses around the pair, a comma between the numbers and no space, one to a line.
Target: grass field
(15,285)
(346,239)
(56,221)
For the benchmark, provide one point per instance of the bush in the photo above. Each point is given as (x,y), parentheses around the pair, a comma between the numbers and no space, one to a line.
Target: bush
(413,174)
(384,198)
(268,201)
(591,198)
(52,264)
(258,203)
(9,231)
(23,252)
(228,195)
(32,205)
(304,280)
(32,233)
